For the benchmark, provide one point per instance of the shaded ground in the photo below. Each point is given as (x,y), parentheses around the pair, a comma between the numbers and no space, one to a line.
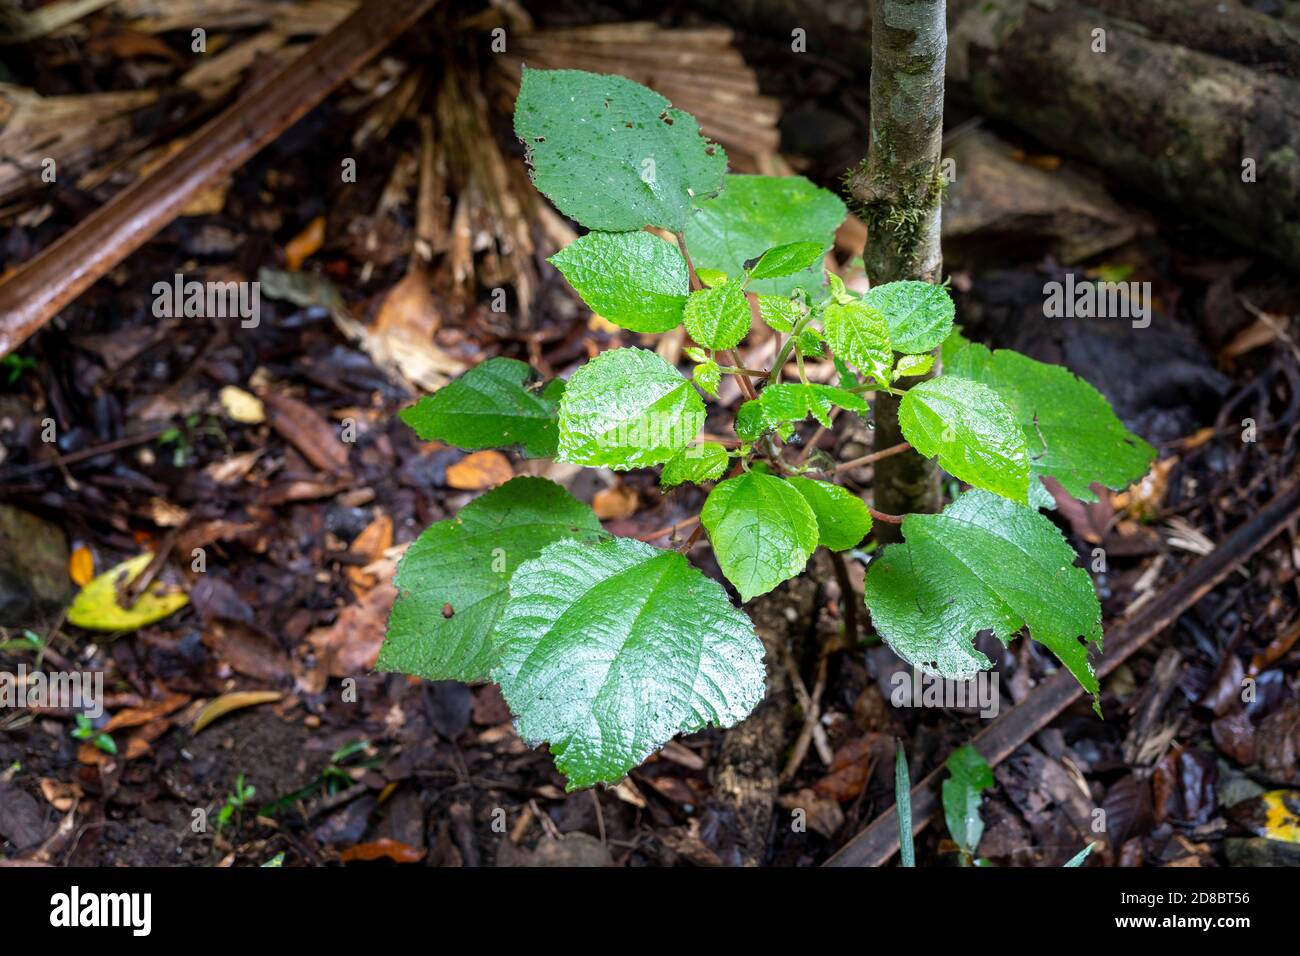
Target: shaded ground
(298,534)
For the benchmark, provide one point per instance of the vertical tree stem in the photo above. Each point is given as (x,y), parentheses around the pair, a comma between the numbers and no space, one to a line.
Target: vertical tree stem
(899,189)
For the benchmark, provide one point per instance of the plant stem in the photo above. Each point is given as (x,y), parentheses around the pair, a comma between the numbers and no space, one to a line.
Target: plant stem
(848,597)
(671,529)
(873,457)
(887,519)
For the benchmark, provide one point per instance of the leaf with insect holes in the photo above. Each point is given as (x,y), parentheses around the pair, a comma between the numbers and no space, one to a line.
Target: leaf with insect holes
(778,312)
(627,408)
(762,531)
(454,579)
(718,318)
(497,404)
(634,279)
(969,775)
(919,313)
(753,214)
(697,463)
(971,430)
(843,519)
(613,154)
(1071,432)
(787,259)
(608,650)
(859,334)
(984,563)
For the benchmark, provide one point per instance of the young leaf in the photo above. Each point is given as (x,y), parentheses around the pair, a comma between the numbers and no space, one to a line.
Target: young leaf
(913,365)
(971,430)
(969,776)
(843,519)
(860,335)
(634,279)
(777,311)
(697,464)
(453,580)
(984,563)
(903,805)
(919,313)
(1070,430)
(718,318)
(708,376)
(762,531)
(710,277)
(795,401)
(611,154)
(787,259)
(608,650)
(496,404)
(754,213)
(627,408)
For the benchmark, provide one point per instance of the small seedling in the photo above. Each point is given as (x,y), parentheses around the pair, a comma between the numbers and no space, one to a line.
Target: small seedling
(235,802)
(85,730)
(605,646)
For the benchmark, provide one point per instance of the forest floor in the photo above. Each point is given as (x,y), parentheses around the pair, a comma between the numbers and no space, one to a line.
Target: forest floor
(184,436)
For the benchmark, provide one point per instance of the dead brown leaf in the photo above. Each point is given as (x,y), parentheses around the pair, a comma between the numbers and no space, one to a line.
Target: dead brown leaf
(308,431)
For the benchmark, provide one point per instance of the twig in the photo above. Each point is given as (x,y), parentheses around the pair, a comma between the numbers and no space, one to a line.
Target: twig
(887,519)
(879,841)
(874,456)
(848,597)
(690,542)
(671,529)
(45,285)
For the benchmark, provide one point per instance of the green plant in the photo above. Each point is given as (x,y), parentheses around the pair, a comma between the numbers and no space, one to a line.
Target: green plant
(85,730)
(606,647)
(235,803)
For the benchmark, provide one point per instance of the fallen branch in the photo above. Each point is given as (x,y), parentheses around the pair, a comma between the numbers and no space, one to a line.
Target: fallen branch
(60,273)
(879,841)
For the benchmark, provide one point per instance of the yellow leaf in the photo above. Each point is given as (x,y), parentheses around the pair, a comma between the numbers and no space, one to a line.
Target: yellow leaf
(233,701)
(304,245)
(242,406)
(95,606)
(81,566)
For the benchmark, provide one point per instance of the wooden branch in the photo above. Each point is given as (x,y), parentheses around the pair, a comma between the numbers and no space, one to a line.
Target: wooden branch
(879,841)
(60,273)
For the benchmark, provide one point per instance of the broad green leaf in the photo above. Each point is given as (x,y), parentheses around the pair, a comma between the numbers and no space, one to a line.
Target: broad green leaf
(913,365)
(718,318)
(608,650)
(762,531)
(710,277)
(496,404)
(972,432)
(795,401)
(753,421)
(696,463)
(1070,429)
(969,776)
(860,335)
(708,376)
(96,606)
(778,312)
(454,579)
(984,563)
(627,408)
(919,313)
(611,153)
(810,343)
(754,213)
(634,279)
(843,519)
(787,259)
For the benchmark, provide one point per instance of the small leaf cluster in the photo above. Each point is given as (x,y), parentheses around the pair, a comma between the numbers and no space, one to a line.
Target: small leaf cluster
(606,647)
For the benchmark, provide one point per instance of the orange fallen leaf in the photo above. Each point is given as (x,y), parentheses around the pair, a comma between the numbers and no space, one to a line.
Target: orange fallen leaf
(81,566)
(383,849)
(370,544)
(236,700)
(139,716)
(61,796)
(304,245)
(482,469)
(614,503)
